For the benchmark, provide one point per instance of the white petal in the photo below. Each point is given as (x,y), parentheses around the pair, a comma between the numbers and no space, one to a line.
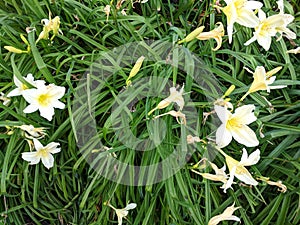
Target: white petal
(52,147)
(58,104)
(244,135)
(17,82)
(47,112)
(30,95)
(252,159)
(37,144)
(229,32)
(31,157)
(277,87)
(247,18)
(261,15)
(56,91)
(230,180)
(15,92)
(31,108)
(223,136)
(48,161)
(250,40)
(222,113)
(253,5)
(245,114)
(246,178)
(235,218)
(264,41)
(130,206)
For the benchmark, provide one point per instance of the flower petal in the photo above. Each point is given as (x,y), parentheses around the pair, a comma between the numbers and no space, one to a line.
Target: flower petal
(31,157)
(244,135)
(48,160)
(15,92)
(37,144)
(130,206)
(245,177)
(245,114)
(223,136)
(31,108)
(247,18)
(222,113)
(47,112)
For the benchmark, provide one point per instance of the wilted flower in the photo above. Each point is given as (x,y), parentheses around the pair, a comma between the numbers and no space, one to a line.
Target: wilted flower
(235,125)
(281,187)
(135,69)
(262,80)
(42,153)
(45,99)
(269,27)
(241,12)
(191,140)
(22,87)
(216,34)
(4,99)
(107,11)
(176,114)
(175,96)
(32,132)
(294,51)
(237,169)
(122,212)
(192,35)
(226,215)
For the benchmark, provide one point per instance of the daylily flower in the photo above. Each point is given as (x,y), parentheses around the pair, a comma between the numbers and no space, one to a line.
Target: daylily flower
(269,27)
(175,96)
(262,80)
(235,125)
(241,12)
(176,114)
(226,215)
(50,25)
(216,34)
(19,51)
(135,69)
(45,99)
(237,169)
(219,175)
(22,87)
(122,212)
(107,11)
(281,187)
(192,35)
(42,153)
(33,132)
(4,99)
(294,51)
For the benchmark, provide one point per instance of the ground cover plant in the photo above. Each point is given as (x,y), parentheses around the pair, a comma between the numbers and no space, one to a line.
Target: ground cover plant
(213,86)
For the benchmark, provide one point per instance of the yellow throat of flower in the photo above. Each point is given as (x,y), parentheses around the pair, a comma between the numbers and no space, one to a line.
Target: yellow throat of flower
(44,99)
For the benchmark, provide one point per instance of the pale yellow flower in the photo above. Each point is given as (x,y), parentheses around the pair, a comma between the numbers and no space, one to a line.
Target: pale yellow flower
(241,12)
(135,69)
(176,114)
(45,99)
(122,212)
(192,35)
(4,99)
(48,26)
(175,96)
(263,80)
(294,51)
(226,215)
(219,175)
(269,27)
(235,125)
(237,169)
(42,153)
(33,132)
(216,34)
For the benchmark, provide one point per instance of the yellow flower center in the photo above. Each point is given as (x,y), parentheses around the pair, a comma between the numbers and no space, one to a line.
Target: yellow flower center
(43,99)
(24,87)
(233,123)
(43,153)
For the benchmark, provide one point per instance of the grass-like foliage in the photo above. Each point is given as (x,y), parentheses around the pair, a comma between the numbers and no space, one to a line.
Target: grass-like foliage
(79,58)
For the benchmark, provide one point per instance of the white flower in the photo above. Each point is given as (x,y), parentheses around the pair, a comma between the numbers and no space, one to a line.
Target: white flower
(45,99)
(241,12)
(175,96)
(42,153)
(237,169)
(226,215)
(122,212)
(32,132)
(22,87)
(235,125)
(269,27)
